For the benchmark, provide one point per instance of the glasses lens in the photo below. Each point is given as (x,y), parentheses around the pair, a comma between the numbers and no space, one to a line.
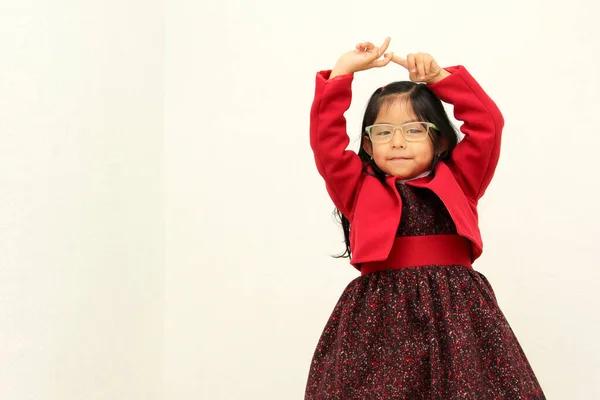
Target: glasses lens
(415,131)
(381,133)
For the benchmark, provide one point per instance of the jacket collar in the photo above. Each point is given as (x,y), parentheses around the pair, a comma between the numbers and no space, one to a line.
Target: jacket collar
(393,180)
(396,180)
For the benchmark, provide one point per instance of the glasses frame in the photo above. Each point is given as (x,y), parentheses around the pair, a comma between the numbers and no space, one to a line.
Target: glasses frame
(429,125)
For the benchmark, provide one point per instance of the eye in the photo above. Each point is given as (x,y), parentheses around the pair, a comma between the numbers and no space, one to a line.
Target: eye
(383,133)
(415,131)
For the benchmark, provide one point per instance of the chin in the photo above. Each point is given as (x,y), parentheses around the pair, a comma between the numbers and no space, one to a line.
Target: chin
(406,170)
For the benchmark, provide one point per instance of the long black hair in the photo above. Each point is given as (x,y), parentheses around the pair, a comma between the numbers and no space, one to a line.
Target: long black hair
(427,107)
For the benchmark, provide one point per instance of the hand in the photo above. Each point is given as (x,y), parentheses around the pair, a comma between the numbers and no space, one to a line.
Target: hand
(422,67)
(364,57)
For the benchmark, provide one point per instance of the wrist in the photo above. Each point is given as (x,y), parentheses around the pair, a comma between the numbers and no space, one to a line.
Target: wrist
(443,74)
(340,69)
(337,71)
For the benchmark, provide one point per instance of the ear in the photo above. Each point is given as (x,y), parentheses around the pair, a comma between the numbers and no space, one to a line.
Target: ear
(367,145)
(442,145)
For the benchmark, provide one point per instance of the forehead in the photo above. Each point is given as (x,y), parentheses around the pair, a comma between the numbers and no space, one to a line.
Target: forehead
(396,111)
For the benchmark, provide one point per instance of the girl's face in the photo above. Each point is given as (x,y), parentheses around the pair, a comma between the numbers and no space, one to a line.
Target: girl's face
(400,157)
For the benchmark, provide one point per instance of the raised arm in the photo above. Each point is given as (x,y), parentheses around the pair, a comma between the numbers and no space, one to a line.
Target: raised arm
(474,159)
(340,168)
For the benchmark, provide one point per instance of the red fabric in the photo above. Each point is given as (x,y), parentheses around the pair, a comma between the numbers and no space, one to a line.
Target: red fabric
(373,209)
(418,251)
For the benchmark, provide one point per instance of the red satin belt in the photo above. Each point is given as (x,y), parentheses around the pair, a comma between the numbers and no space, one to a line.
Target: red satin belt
(417,251)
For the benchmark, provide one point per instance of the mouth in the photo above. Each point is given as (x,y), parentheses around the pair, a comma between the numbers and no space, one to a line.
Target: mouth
(399,159)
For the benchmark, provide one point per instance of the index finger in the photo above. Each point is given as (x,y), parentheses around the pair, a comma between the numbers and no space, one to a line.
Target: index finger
(384,46)
(400,61)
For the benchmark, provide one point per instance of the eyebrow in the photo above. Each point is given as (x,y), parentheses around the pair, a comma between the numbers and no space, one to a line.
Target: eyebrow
(406,122)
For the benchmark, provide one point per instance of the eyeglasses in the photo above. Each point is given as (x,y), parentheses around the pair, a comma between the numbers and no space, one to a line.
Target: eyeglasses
(412,131)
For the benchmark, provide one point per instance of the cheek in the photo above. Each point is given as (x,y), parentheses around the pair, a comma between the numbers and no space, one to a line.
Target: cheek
(424,152)
(379,152)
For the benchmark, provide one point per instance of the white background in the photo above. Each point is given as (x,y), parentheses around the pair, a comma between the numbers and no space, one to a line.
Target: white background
(164,233)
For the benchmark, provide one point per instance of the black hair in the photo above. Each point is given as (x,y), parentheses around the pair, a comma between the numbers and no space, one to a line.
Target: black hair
(427,107)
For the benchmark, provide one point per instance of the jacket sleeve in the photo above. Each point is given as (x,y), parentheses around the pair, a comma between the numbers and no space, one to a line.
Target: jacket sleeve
(340,168)
(474,159)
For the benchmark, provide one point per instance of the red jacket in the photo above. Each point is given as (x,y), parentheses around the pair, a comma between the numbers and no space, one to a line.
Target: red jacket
(374,209)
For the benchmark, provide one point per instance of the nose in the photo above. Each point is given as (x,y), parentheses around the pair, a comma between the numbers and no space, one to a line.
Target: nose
(398,140)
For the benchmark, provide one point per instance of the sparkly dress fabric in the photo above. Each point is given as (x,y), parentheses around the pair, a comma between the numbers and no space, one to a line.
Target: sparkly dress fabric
(428,332)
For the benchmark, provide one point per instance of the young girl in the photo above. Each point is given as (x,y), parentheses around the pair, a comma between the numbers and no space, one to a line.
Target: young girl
(419,322)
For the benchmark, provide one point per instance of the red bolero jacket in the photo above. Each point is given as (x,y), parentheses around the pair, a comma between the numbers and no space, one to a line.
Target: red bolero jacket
(374,209)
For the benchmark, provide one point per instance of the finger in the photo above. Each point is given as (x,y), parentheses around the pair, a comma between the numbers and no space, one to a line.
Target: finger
(420,66)
(366,46)
(387,57)
(384,46)
(400,61)
(411,63)
(427,64)
(435,68)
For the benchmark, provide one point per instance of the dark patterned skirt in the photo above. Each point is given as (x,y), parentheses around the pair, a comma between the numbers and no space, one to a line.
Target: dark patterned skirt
(433,332)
